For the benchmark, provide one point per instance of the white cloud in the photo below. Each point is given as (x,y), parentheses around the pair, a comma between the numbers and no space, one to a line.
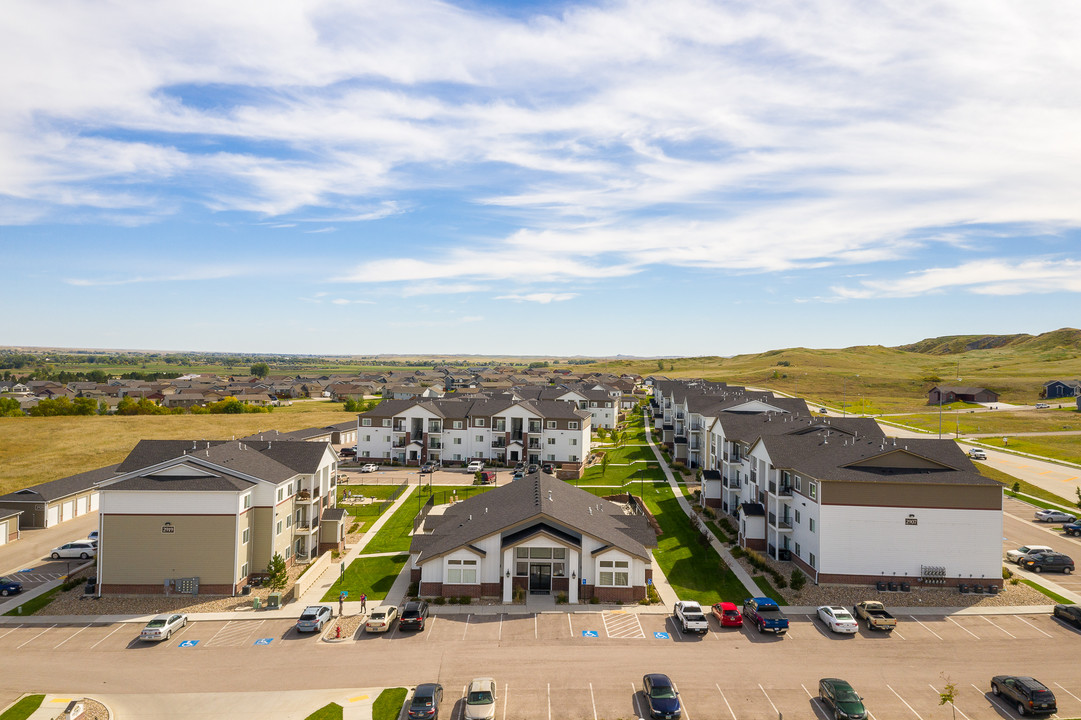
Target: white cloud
(542,298)
(997,276)
(344,301)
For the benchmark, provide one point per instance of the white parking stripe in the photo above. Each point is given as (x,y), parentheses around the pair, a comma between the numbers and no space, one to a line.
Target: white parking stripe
(99,642)
(69,637)
(220,630)
(570,628)
(926,628)
(769,700)
(1031,625)
(682,704)
(938,692)
(500,626)
(592,701)
(38,635)
(465,628)
(1067,692)
(506,692)
(10,631)
(995,701)
(963,627)
(905,702)
(461,708)
(1000,628)
(726,702)
(676,634)
(429,633)
(637,705)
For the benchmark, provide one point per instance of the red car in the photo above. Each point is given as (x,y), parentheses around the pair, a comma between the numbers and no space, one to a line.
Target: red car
(728,614)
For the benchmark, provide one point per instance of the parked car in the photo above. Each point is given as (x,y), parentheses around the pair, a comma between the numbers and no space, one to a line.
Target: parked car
(1050,516)
(690,618)
(348,452)
(1073,529)
(1029,695)
(518,475)
(1069,613)
(163,626)
(430,466)
(548,468)
(381,619)
(487,477)
(413,615)
(1042,406)
(765,615)
(531,468)
(84,549)
(1016,556)
(727,614)
(480,700)
(977,454)
(425,702)
(875,615)
(93,537)
(661,697)
(370,467)
(9,586)
(313,618)
(520,466)
(837,619)
(1048,562)
(841,698)
(475,466)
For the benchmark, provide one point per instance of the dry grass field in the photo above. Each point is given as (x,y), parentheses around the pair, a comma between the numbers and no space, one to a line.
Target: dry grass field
(35,450)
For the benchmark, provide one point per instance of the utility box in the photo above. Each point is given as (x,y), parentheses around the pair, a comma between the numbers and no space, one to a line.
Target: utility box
(255,603)
(274,601)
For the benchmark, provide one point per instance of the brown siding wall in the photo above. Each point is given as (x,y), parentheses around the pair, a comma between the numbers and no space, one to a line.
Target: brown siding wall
(261,533)
(138,553)
(613,594)
(919,495)
(754,544)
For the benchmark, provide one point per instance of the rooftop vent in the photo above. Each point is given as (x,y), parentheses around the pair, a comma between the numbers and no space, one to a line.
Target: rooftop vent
(549,496)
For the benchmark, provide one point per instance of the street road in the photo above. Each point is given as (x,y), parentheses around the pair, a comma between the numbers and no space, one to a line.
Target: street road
(577,665)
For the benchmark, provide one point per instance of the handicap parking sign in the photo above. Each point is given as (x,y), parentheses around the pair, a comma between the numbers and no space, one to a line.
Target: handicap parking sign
(589,633)
(662,636)
(188,643)
(264,641)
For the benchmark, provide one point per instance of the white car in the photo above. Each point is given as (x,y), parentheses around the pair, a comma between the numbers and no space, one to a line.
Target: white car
(1050,516)
(381,619)
(480,700)
(370,467)
(1015,556)
(313,618)
(84,549)
(163,626)
(977,454)
(838,619)
(1042,406)
(475,466)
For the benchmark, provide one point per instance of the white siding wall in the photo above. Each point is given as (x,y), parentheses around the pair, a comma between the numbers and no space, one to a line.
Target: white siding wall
(871,541)
(174,503)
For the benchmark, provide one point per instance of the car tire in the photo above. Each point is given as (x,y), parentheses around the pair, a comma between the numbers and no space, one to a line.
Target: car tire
(1021,709)
(168,635)
(761,628)
(994,690)
(1037,569)
(55,556)
(4,592)
(1067,570)
(84,556)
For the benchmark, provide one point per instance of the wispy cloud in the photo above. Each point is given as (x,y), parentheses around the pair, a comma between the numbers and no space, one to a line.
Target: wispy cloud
(190,275)
(983,277)
(542,298)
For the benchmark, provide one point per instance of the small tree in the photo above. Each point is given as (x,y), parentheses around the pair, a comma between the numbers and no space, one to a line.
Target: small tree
(1078,491)
(278,574)
(948,695)
(604,464)
(260,369)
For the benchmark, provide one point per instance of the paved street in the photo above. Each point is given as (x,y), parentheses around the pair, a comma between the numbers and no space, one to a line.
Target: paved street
(577,665)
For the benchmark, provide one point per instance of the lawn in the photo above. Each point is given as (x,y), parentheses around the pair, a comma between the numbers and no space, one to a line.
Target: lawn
(396,531)
(368,576)
(32,605)
(999,423)
(446,493)
(333,711)
(24,708)
(1061,447)
(388,706)
(366,512)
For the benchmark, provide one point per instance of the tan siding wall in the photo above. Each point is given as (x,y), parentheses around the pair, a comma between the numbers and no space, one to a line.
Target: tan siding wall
(283,541)
(981,497)
(260,537)
(137,552)
(244,552)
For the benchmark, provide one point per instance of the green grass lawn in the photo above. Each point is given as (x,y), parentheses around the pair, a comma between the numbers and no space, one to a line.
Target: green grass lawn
(768,590)
(1053,595)
(999,423)
(1061,447)
(395,533)
(34,604)
(366,512)
(24,708)
(389,704)
(368,576)
(333,711)
(446,493)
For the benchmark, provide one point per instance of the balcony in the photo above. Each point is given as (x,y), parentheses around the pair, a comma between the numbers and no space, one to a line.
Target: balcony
(731,484)
(534,444)
(434,444)
(400,442)
(785,490)
(500,443)
(781,524)
(534,428)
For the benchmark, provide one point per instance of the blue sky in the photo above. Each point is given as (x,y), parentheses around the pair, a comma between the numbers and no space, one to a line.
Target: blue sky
(677,178)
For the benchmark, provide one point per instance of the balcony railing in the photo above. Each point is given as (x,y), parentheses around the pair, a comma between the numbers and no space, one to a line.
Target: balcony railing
(435,444)
(534,444)
(785,490)
(304,495)
(400,443)
(501,443)
(783,523)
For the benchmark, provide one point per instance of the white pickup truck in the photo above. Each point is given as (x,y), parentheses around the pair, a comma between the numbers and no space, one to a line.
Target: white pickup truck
(690,618)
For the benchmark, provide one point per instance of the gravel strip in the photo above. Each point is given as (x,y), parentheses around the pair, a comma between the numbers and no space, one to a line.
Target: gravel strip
(350,625)
(94,710)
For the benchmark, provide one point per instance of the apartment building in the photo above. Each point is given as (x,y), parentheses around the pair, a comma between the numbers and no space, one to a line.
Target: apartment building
(204,516)
(500,430)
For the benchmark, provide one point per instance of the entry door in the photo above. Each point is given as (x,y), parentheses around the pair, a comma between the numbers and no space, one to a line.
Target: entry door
(540,579)
(514,456)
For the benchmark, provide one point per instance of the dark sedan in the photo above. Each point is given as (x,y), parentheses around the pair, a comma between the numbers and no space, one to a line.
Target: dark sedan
(413,616)
(1068,613)
(841,698)
(9,586)
(425,702)
(661,696)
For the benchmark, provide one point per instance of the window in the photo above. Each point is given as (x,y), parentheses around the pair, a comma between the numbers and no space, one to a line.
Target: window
(551,424)
(797,517)
(615,573)
(281,494)
(551,457)
(366,453)
(812,490)
(457,425)
(593,404)
(367,438)
(462,572)
(480,438)
(559,553)
(386,422)
(796,485)
(551,441)
(289,489)
(572,425)
(521,569)
(245,538)
(278,528)
(288,552)
(797,550)
(522,552)
(811,524)
(457,456)
(289,521)
(811,560)
(247,501)
(540,553)
(574,441)
(366,422)
(559,569)
(478,422)
(574,458)
(787,478)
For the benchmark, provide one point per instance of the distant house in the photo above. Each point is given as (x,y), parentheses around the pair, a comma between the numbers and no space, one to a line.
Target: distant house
(943,394)
(9,525)
(1061,389)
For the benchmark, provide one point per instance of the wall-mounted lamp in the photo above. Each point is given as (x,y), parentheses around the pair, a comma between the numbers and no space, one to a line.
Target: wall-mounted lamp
(573,575)
(508,573)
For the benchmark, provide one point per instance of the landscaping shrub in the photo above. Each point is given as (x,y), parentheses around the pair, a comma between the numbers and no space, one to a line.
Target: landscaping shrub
(798,579)
(440,600)
(1007,573)
(1015,581)
(519,594)
(652,594)
(561,598)
(414,589)
(594,600)
(465,600)
(738,552)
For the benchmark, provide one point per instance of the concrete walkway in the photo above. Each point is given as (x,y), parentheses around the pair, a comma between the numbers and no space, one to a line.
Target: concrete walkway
(743,576)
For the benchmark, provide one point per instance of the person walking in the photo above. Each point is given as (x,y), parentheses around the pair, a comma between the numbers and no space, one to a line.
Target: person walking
(341,604)
(364,603)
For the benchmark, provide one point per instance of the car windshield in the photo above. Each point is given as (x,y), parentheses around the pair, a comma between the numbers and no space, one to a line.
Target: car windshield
(663,691)
(155,624)
(730,613)
(480,697)
(378,615)
(842,615)
(422,701)
(308,616)
(847,695)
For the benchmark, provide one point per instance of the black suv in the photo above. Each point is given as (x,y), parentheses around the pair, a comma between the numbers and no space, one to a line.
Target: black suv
(413,615)
(1051,562)
(1029,695)
(1072,529)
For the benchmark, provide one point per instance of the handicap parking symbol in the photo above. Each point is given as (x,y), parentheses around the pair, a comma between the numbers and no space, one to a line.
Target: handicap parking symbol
(589,633)
(188,643)
(662,636)
(264,641)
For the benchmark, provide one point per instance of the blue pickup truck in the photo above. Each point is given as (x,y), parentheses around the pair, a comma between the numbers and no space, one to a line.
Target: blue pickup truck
(764,614)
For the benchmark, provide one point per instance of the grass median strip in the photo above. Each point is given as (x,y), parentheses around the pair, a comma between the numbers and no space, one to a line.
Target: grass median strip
(388,706)
(395,533)
(1053,595)
(368,576)
(32,605)
(333,711)
(24,708)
